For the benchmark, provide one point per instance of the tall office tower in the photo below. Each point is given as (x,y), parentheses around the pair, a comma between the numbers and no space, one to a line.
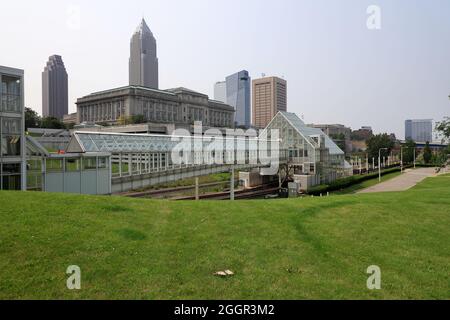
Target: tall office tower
(55,89)
(12,134)
(220,91)
(269,97)
(419,130)
(143,65)
(238,96)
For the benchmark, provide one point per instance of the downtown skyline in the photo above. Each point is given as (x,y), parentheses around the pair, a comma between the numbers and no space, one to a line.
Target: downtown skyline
(338,71)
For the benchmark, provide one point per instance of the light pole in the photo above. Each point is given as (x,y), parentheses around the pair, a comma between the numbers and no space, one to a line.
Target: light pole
(379,163)
(401,161)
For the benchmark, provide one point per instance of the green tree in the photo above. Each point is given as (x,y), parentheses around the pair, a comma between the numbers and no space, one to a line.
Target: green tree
(377,142)
(408,151)
(427,154)
(137,119)
(32,119)
(52,123)
(444,127)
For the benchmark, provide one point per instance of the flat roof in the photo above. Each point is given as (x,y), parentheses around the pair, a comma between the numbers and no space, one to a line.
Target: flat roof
(12,71)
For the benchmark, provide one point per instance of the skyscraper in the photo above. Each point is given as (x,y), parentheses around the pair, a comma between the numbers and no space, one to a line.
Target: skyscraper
(220,91)
(419,130)
(269,97)
(238,96)
(55,88)
(143,65)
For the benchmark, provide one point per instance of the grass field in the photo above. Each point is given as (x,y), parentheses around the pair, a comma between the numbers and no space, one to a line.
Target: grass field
(314,248)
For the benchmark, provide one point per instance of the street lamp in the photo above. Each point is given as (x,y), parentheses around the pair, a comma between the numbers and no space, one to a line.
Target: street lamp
(379,163)
(401,151)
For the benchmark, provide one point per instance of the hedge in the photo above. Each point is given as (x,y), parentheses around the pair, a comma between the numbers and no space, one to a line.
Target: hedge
(349,181)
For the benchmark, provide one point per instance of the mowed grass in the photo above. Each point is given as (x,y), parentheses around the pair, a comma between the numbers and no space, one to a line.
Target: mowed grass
(315,248)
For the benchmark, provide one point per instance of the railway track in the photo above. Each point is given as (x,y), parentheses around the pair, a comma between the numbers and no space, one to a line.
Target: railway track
(238,195)
(162,192)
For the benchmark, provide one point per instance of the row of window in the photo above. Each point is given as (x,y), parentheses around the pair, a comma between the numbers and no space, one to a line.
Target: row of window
(71,165)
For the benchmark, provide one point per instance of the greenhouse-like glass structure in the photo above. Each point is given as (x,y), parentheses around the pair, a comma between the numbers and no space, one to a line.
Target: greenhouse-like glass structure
(310,151)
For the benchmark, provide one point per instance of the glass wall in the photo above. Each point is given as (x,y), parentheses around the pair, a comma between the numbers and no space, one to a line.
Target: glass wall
(11,130)
(10,94)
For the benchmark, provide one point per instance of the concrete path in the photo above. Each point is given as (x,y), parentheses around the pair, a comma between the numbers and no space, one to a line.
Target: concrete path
(404,182)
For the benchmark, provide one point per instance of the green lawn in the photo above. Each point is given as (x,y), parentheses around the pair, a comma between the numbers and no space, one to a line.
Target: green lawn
(279,249)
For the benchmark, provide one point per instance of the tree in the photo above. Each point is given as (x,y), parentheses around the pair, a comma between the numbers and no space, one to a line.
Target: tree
(377,142)
(408,151)
(137,119)
(444,127)
(32,119)
(427,154)
(339,139)
(52,123)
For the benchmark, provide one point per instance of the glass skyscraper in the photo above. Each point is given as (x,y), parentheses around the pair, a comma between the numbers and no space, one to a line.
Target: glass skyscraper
(419,130)
(238,96)
(55,101)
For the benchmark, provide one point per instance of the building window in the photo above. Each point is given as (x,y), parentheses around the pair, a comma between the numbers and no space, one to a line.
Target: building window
(73,165)
(10,94)
(103,163)
(54,165)
(89,163)
(11,179)
(10,145)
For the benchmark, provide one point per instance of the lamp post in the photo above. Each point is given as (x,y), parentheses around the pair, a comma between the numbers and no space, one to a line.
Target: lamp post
(401,161)
(379,163)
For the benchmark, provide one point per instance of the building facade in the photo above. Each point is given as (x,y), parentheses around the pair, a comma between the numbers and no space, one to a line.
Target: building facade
(220,91)
(177,106)
(55,101)
(12,133)
(238,96)
(143,64)
(269,98)
(419,130)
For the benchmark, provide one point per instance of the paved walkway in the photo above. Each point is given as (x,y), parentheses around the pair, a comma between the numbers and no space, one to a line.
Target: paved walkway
(404,182)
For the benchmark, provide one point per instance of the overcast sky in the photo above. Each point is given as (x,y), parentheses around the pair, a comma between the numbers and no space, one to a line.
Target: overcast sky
(338,71)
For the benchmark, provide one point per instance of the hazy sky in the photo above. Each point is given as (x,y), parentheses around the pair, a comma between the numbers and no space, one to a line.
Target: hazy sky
(338,71)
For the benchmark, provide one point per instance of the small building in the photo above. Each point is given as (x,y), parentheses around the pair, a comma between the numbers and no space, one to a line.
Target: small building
(313,157)
(69,173)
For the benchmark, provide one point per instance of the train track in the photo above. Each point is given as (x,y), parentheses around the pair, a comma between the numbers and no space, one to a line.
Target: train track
(162,192)
(238,195)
